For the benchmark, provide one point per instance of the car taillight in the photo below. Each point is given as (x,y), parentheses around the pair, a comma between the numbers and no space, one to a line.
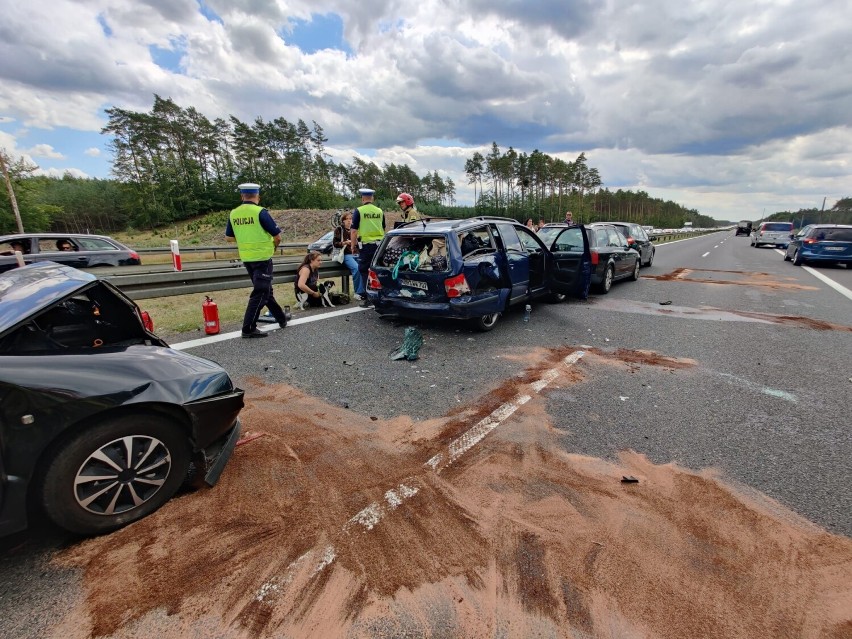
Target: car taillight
(630,240)
(595,257)
(809,240)
(456,286)
(373,282)
(134,255)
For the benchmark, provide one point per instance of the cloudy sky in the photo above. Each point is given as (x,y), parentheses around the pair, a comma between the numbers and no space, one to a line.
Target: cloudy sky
(725,106)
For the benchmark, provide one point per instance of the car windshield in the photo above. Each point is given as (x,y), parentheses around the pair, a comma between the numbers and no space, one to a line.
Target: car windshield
(833,235)
(778,226)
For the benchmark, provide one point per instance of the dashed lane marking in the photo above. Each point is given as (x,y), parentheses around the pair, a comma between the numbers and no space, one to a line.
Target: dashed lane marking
(369,517)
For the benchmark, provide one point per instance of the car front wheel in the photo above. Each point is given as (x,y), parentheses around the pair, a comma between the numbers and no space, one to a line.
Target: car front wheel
(487,322)
(115,473)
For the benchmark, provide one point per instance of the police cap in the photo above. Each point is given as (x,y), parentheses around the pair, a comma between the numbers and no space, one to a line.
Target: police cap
(249,188)
(366,192)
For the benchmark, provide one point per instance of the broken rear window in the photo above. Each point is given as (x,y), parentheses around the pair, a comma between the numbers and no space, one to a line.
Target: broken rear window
(417,252)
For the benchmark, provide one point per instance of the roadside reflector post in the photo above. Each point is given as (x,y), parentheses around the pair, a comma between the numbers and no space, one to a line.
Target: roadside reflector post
(19,258)
(175,255)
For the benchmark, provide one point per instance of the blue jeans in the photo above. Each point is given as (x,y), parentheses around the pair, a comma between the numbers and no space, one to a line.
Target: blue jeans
(352,264)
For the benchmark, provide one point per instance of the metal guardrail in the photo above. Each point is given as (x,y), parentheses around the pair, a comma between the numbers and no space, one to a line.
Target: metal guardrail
(140,286)
(216,249)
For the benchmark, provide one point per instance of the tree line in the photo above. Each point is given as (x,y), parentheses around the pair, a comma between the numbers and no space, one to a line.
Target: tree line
(173,163)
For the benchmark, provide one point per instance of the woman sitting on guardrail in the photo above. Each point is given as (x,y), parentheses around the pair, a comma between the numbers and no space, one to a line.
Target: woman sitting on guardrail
(341,240)
(307,277)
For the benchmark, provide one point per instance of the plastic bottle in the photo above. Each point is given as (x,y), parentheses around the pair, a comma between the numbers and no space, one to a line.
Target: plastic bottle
(527,312)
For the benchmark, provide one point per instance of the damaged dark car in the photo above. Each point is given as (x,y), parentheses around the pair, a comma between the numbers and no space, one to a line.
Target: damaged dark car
(101,423)
(473,269)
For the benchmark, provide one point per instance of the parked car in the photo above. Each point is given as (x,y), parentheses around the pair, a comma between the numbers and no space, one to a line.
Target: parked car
(775,233)
(323,245)
(611,256)
(472,269)
(84,251)
(638,240)
(100,421)
(821,243)
(743,227)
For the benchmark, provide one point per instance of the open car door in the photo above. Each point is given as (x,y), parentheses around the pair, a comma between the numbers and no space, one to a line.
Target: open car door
(571,266)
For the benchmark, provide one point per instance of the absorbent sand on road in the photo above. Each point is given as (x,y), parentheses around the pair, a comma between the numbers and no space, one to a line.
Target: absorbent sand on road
(333,524)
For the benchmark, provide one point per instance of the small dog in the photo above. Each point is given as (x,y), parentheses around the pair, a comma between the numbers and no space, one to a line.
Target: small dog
(324,289)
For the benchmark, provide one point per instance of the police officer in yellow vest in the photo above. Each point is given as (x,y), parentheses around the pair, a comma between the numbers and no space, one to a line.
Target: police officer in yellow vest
(368,222)
(257,236)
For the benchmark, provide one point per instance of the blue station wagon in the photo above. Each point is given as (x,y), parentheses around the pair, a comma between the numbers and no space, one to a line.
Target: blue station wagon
(472,269)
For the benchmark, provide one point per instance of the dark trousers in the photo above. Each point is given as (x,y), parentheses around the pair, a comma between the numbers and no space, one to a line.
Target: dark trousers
(365,257)
(261,295)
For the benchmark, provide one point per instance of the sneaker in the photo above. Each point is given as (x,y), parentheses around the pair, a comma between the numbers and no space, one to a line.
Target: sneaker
(255,333)
(357,297)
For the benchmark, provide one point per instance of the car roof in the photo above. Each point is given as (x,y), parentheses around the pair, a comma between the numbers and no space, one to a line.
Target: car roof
(26,236)
(829,226)
(443,226)
(30,289)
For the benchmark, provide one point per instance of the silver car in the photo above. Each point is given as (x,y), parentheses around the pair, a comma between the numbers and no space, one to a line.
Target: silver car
(774,233)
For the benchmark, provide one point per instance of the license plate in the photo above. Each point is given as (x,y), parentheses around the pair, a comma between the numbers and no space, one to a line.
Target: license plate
(834,248)
(415,284)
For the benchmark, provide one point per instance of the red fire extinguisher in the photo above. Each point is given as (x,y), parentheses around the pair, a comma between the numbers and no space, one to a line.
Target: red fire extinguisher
(211,316)
(147,321)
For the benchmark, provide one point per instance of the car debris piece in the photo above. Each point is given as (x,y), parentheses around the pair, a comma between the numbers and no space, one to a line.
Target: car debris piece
(629,479)
(666,303)
(249,437)
(411,343)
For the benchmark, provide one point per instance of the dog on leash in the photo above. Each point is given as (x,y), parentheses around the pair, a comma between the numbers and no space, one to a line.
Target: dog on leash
(324,289)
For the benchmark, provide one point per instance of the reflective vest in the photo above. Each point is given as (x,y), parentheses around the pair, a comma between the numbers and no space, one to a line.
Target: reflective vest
(370,226)
(253,242)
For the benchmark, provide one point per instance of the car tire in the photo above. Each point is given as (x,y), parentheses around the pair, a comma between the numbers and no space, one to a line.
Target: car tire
(797,258)
(83,506)
(650,259)
(606,282)
(634,276)
(786,257)
(485,323)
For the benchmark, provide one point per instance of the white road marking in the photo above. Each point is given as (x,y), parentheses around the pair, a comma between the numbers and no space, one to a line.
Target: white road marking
(370,516)
(717,246)
(845,292)
(212,339)
(706,254)
(772,392)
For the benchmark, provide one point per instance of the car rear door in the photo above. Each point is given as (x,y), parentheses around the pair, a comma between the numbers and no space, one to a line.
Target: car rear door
(571,262)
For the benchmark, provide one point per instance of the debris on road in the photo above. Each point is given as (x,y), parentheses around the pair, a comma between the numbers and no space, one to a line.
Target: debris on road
(248,437)
(666,303)
(629,479)
(411,343)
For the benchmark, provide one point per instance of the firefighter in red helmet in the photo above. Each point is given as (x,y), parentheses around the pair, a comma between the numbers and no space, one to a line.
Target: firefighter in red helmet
(409,211)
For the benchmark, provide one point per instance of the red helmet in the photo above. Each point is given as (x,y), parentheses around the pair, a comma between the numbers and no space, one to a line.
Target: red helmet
(405,198)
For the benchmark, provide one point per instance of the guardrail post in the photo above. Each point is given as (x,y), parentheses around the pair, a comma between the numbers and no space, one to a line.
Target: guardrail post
(175,255)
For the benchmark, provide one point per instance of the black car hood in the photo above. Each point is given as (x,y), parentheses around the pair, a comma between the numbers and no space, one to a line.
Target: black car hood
(26,291)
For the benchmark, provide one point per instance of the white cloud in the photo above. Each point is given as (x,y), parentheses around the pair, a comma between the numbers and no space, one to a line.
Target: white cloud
(725,104)
(93,152)
(45,151)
